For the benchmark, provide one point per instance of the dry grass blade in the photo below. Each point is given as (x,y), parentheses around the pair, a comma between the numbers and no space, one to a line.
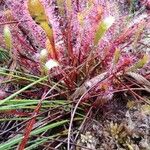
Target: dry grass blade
(88,84)
(140,79)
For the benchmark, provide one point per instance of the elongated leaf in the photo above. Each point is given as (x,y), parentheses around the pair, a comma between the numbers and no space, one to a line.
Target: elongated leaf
(23,103)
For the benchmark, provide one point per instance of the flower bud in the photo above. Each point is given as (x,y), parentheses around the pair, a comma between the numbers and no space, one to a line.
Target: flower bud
(102,28)
(43,56)
(7,37)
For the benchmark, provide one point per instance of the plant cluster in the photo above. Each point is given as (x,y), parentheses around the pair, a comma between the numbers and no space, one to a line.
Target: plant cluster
(59,54)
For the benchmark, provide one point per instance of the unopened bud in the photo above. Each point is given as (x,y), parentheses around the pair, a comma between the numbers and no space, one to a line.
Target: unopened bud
(7,37)
(43,55)
(102,28)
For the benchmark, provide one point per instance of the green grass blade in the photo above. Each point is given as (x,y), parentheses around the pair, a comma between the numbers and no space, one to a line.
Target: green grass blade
(31,104)
(7,145)
(36,144)
(21,90)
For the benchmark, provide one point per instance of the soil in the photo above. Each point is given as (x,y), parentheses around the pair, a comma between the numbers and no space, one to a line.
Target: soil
(121,124)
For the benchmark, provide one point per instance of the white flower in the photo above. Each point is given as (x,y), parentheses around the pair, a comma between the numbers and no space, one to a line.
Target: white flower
(43,55)
(109,21)
(51,64)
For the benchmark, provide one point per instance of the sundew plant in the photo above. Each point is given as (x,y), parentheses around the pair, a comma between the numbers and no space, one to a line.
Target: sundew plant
(60,58)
